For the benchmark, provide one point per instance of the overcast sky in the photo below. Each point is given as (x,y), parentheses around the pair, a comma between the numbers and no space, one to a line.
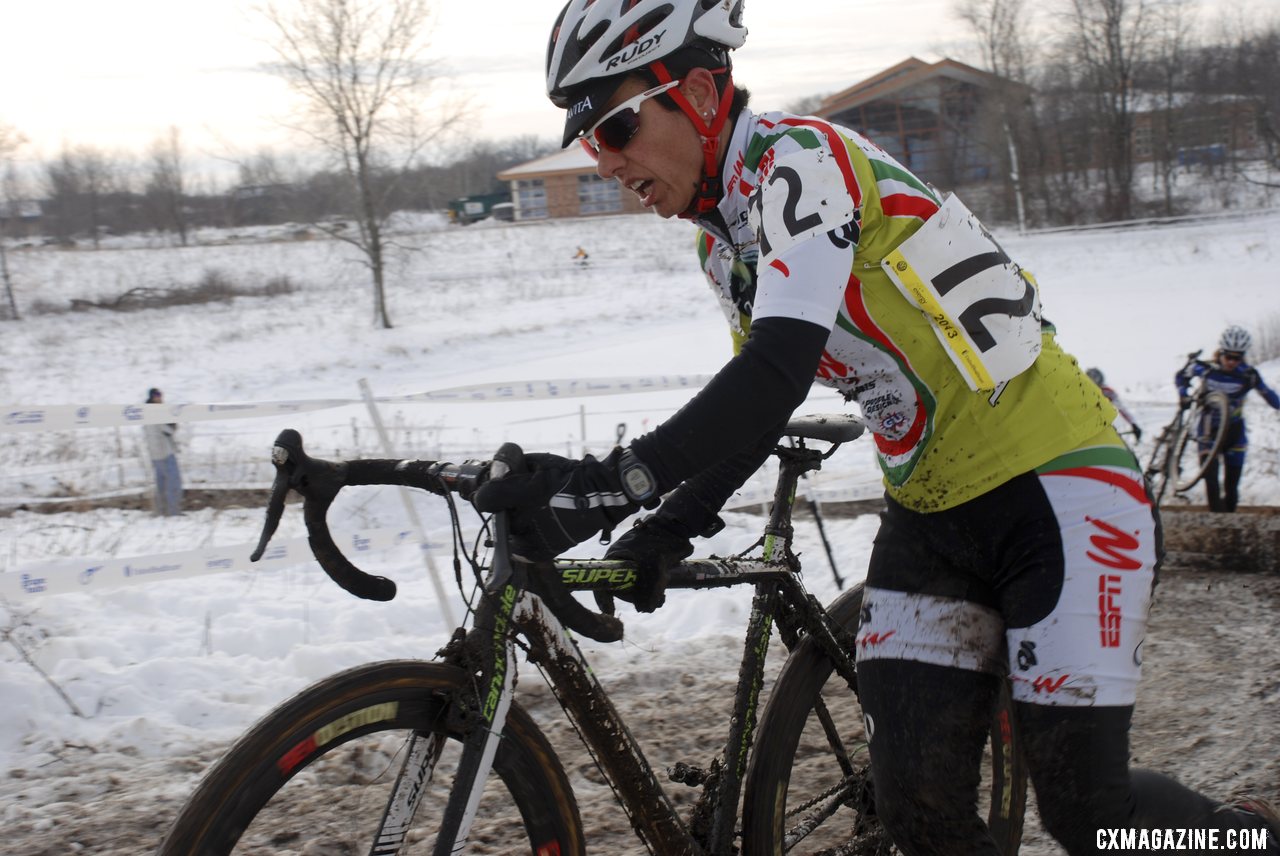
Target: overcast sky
(116,75)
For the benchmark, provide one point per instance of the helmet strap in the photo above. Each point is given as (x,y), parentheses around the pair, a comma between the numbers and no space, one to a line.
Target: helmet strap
(710,187)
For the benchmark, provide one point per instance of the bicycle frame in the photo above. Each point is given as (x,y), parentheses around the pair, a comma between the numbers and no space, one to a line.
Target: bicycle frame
(510,611)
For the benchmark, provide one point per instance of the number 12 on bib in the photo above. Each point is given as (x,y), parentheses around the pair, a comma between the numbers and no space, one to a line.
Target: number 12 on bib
(983,308)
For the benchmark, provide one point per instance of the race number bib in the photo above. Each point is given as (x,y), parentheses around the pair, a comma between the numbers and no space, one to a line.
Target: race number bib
(801,194)
(983,309)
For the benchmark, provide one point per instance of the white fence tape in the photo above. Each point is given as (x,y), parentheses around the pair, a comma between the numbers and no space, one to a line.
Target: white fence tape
(63,417)
(84,575)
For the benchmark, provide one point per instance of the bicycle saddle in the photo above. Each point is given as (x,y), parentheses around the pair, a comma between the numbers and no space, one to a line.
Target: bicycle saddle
(829,428)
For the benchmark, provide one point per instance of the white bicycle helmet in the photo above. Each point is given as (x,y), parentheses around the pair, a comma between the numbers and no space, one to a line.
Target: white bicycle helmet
(1235,338)
(596,43)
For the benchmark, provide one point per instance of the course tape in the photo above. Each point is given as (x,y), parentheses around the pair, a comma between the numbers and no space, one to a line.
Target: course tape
(63,417)
(89,575)
(755,496)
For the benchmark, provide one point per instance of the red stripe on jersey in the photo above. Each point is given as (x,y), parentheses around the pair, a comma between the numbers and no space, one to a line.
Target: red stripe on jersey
(862,320)
(1125,483)
(903,205)
(781,268)
(835,141)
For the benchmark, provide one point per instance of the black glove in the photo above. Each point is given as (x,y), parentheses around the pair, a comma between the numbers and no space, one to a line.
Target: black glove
(1137,435)
(653,545)
(556,503)
(658,542)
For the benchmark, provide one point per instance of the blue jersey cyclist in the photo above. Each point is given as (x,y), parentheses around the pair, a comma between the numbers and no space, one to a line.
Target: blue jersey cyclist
(1018,536)
(1229,374)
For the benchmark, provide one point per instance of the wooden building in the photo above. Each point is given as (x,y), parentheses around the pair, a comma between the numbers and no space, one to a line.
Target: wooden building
(565,184)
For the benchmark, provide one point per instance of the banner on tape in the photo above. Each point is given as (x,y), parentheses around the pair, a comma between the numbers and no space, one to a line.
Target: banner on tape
(81,575)
(64,417)
(562,388)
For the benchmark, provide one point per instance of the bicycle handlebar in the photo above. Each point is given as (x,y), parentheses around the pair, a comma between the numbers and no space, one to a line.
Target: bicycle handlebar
(319,481)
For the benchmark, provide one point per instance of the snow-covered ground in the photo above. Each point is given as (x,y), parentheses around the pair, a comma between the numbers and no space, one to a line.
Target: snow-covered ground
(154,669)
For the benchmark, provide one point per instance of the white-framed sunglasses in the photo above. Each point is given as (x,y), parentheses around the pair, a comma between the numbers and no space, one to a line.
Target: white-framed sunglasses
(616,128)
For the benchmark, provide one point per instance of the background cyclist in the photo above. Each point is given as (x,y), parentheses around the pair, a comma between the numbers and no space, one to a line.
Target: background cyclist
(1230,374)
(1097,377)
(1003,473)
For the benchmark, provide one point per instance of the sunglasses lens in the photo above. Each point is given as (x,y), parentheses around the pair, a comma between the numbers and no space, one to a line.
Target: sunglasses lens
(616,131)
(1231,355)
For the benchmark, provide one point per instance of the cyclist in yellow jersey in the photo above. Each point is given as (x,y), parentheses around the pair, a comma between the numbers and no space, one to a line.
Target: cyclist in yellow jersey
(1018,534)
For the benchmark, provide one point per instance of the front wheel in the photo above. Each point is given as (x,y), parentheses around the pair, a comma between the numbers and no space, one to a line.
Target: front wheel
(318,772)
(1200,441)
(808,786)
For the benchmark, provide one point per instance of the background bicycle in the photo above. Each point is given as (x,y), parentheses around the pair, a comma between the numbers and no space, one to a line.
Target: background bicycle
(1186,447)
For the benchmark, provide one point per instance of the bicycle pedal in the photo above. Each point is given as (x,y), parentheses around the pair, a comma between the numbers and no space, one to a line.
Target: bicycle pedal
(687,774)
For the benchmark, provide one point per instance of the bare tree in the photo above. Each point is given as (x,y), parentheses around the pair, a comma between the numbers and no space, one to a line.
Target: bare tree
(10,200)
(360,68)
(1109,39)
(98,178)
(1000,27)
(166,184)
(1167,67)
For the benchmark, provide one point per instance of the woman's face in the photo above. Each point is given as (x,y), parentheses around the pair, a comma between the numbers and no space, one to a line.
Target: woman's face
(662,164)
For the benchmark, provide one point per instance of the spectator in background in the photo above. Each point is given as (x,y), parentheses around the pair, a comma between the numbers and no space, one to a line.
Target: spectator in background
(163,451)
(1095,375)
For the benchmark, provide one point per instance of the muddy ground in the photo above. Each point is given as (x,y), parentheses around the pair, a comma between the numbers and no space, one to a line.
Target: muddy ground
(1208,713)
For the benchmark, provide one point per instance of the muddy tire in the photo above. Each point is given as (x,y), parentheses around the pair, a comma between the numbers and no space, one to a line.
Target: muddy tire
(1200,441)
(339,745)
(806,793)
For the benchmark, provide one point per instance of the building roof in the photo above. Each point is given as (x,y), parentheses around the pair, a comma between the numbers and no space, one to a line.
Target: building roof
(574,159)
(905,74)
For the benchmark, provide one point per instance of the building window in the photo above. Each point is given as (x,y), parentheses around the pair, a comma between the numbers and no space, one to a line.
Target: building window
(598,196)
(530,199)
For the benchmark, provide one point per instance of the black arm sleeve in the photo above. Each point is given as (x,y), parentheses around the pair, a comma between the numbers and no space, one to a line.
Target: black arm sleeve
(751,397)
(697,502)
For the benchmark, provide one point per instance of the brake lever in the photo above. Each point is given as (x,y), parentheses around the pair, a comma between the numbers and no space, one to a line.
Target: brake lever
(318,482)
(279,490)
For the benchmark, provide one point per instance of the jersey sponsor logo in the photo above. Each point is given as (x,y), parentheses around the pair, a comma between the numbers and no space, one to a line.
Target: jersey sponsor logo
(1026,655)
(1110,588)
(735,174)
(1048,685)
(1112,544)
(872,406)
(1114,549)
(870,640)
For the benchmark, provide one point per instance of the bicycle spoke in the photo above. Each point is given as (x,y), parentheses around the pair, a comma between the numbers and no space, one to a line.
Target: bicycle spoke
(833,735)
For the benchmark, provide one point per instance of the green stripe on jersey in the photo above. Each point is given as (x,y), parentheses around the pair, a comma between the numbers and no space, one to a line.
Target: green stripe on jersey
(1092,456)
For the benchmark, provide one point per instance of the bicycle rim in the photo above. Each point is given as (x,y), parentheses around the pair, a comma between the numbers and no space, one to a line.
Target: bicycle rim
(1157,471)
(315,775)
(1200,441)
(809,795)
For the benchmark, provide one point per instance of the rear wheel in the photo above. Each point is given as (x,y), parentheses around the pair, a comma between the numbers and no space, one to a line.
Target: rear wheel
(808,782)
(315,775)
(1200,441)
